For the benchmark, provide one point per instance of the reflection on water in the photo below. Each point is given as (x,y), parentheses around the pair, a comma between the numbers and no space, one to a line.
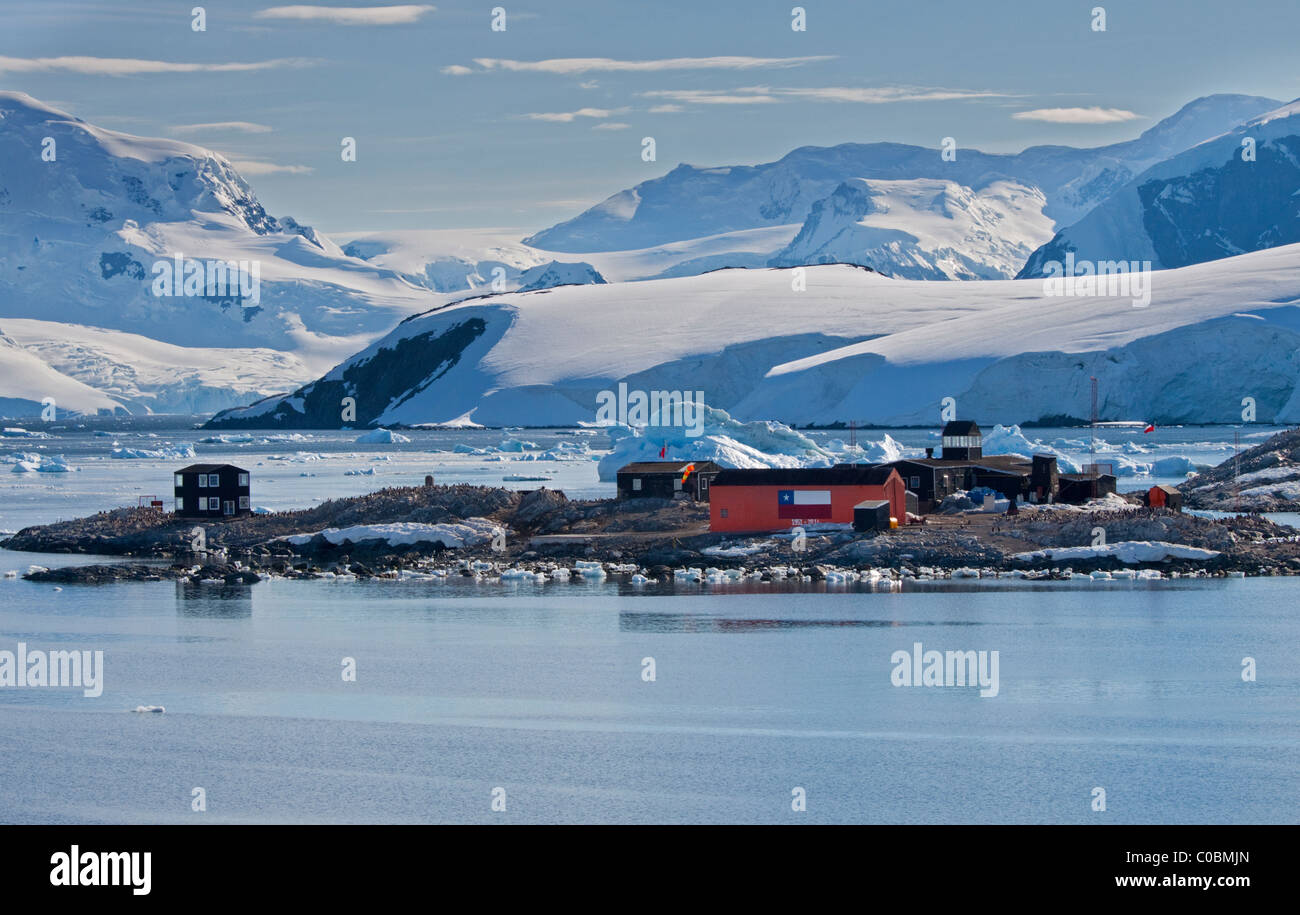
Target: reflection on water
(214,601)
(631,621)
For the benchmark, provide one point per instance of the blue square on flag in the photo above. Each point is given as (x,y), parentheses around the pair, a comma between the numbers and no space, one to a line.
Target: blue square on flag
(785,497)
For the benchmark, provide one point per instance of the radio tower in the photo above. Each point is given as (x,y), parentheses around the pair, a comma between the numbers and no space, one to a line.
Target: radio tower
(1092,427)
(853,433)
(1236,471)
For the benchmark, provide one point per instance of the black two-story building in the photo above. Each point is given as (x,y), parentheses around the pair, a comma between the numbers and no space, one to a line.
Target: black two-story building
(213,491)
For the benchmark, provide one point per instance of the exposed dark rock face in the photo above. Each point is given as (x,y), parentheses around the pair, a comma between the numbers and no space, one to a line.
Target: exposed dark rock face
(383,381)
(1218,212)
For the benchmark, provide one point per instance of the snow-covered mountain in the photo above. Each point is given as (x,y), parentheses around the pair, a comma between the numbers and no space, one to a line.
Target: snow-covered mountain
(1207,202)
(87,213)
(695,202)
(923,229)
(89,216)
(985,216)
(855,345)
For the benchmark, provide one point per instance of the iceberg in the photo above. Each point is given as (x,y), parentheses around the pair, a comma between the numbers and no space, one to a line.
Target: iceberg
(381,437)
(725,441)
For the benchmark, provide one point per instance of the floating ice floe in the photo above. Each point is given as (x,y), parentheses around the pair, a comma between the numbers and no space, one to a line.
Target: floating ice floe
(368,472)
(226,440)
(166,453)
(36,463)
(515,445)
(381,437)
(150,709)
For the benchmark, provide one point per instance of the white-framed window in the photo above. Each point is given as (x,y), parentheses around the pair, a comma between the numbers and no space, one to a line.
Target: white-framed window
(203,480)
(636,484)
(243,479)
(916,482)
(214,504)
(243,502)
(214,480)
(180,480)
(180,504)
(677,485)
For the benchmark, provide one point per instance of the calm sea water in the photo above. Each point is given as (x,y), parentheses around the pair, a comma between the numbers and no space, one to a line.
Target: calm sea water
(538,690)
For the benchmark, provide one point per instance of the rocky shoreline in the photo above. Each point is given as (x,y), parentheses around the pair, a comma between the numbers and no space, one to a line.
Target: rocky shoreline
(546,536)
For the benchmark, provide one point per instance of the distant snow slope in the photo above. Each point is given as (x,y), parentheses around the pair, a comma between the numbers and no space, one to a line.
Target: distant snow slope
(455,261)
(694,202)
(1205,203)
(854,345)
(28,381)
(146,376)
(923,229)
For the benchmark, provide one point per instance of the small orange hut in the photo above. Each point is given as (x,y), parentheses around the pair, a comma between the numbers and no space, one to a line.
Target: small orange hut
(1164,497)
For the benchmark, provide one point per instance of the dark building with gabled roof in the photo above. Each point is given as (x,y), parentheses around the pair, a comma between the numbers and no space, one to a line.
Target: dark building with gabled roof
(663,480)
(213,491)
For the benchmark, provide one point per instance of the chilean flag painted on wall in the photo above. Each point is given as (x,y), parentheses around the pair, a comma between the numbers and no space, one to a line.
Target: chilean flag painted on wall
(803,503)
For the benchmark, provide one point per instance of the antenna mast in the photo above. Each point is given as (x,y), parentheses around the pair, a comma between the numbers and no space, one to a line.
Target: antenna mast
(1236,471)
(1092,427)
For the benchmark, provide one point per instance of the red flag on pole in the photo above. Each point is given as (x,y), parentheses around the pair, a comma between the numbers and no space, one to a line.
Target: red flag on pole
(663,450)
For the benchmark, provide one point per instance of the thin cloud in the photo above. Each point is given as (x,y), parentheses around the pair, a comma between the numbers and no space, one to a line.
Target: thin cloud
(130,66)
(239,126)
(885,96)
(260,167)
(574,65)
(711,97)
(457,70)
(348,15)
(612,125)
(763,95)
(565,117)
(666,109)
(1092,115)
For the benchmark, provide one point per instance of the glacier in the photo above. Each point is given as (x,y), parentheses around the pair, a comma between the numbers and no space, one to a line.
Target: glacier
(884,352)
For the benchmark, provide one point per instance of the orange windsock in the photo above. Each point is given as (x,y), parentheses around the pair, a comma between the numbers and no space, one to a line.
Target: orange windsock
(689,468)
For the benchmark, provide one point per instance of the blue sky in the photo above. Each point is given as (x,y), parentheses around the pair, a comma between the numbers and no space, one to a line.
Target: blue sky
(460,126)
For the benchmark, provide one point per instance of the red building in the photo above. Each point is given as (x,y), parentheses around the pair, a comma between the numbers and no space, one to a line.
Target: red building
(772,500)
